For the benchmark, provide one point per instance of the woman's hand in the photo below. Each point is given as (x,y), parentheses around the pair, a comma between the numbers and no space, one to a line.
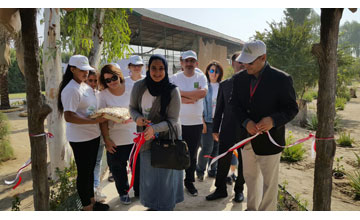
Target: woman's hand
(110,145)
(141,121)
(149,133)
(204,130)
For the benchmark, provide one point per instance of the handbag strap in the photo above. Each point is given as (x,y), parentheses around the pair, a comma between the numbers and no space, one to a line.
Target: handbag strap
(173,135)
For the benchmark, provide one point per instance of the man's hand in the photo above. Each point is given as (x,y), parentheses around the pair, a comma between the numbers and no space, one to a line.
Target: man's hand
(215,136)
(251,128)
(204,130)
(265,124)
(185,100)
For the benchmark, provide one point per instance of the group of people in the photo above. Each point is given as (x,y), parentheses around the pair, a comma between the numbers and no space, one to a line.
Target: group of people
(205,111)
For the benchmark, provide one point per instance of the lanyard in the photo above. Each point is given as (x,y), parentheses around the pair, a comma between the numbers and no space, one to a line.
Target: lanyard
(252,91)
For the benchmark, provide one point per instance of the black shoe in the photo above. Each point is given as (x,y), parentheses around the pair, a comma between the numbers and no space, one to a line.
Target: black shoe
(233,176)
(239,197)
(211,174)
(98,206)
(191,189)
(229,180)
(200,178)
(111,178)
(216,195)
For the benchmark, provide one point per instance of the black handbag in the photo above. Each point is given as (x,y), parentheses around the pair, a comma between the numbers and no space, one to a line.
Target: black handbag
(170,153)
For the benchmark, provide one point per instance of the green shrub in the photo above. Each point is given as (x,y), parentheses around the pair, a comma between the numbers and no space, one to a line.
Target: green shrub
(357,160)
(6,151)
(339,168)
(340,103)
(64,188)
(345,140)
(310,95)
(294,153)
(355,182)
(312,123)
(15,204)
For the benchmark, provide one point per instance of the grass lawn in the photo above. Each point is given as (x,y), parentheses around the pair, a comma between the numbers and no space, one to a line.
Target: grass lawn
(20,95)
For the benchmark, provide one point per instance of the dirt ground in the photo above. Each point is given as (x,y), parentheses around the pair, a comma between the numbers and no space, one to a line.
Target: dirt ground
(299,176)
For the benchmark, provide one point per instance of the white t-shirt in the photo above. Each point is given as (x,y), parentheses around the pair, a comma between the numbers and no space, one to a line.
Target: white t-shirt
(215,90)
(120,134)
(147,101)
(129,83)
(190,114)
(81,99)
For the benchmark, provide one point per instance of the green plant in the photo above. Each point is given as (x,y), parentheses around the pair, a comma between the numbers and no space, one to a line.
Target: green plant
(310,95)
(312,123)
(6,151)
(64,187)
(15,203)
(294,153)
(345,140)
(339,170)
(340,103)
(357,159)
(355,182)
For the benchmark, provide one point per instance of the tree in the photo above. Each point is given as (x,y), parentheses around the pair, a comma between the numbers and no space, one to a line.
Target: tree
(59,149)
(297,15)
(15,78)
(326,53)
(37,109)
(5,37)
(289,49)
(77,37)
(350,34)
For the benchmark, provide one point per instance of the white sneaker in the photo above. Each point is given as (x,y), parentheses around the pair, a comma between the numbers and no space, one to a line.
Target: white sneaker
(99,197)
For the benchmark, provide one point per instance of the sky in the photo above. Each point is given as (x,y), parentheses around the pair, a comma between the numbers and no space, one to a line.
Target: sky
(240,23)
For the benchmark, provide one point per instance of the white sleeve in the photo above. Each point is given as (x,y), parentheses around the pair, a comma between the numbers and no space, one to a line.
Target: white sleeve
(70,99)
(102,100)
(172,79)
(203,81)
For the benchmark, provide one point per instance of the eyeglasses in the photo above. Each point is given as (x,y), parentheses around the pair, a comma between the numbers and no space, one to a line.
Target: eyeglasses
(213,71)
(113,78)
(254,60)
(92,80)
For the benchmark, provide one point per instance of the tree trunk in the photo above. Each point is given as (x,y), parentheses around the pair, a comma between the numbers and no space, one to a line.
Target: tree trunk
(95,52)
(301,117)
(37,109)
(4,88)
(326,52)
(60,152)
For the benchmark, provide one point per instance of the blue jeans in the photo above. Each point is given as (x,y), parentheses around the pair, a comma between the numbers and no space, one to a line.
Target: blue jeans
(208,147)
(98,166)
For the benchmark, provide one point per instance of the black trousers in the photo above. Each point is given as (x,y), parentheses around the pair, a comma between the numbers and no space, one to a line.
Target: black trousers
(192,136)
(223,170)
(85,154)
(118,161)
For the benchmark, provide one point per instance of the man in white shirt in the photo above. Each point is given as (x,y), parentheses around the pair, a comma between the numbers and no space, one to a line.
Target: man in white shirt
(193,88)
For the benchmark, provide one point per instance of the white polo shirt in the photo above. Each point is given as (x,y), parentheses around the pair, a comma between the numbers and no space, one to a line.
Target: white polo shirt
(81,99)
(191,114)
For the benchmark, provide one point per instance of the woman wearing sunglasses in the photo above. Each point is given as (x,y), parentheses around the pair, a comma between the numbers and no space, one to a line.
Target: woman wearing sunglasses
(77,100)
(214,74)
(118,138)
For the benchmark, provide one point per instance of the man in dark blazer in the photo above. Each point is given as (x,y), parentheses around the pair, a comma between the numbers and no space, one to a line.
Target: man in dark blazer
(264,100)
(224,122)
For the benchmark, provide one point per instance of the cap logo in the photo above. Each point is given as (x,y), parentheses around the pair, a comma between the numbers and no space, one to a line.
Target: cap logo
(247,50)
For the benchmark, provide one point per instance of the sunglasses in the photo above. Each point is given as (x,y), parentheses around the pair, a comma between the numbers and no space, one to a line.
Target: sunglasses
(212,71)
(92,80)
(254,60)
(113,78)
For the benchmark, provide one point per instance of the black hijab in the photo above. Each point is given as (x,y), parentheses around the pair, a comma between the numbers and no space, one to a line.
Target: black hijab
(162,88)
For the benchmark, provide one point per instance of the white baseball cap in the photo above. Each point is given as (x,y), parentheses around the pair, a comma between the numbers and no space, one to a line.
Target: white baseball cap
(251,51)
(136,60)
(189,54)
(80,62)
(116,65)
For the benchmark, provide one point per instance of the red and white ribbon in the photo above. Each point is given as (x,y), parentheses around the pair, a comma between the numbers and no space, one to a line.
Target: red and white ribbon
(27,163)
(245,141)
(138,142)
(18,177)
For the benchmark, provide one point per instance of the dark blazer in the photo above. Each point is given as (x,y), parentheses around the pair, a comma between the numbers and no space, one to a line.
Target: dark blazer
(224,117)
(274,97)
